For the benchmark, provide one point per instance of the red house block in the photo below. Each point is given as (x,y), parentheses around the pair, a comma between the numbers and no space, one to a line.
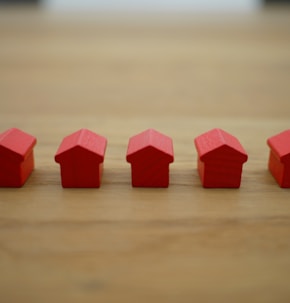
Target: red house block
(150,153)
(16,157)
(220,159)
(81,156)
(279,159)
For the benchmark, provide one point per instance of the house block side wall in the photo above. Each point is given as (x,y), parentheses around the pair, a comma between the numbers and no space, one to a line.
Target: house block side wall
(26,167)
(276,167)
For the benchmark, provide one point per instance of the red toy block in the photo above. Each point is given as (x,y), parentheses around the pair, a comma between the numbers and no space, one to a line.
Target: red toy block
(279,158)
(150,154)
(81,156)
(16,157)
(220,159)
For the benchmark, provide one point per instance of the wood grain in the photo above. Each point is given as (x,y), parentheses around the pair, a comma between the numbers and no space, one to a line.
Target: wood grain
(182,76)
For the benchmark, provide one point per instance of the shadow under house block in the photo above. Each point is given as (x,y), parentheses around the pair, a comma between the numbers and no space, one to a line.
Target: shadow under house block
(16,157)
(220,159)
(150,154)
(81,156)
(279,158)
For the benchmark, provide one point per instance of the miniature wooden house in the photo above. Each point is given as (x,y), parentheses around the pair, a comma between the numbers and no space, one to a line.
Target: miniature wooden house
(220,159)
(16,157)
(279,158)
(81,156)
(150,154)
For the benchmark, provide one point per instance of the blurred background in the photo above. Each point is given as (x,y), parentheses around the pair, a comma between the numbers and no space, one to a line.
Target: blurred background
(150,5)
(180,56)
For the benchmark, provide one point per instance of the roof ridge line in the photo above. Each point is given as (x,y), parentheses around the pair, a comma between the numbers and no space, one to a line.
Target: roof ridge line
(221,135)
(80,136)
(150,135)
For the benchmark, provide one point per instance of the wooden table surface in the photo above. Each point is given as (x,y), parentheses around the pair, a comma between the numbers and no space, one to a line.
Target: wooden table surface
(183,76)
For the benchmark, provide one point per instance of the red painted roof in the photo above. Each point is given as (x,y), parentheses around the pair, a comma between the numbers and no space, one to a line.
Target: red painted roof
(85,139)
(280,144)
(215,139)
(17,143)
(150,138)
